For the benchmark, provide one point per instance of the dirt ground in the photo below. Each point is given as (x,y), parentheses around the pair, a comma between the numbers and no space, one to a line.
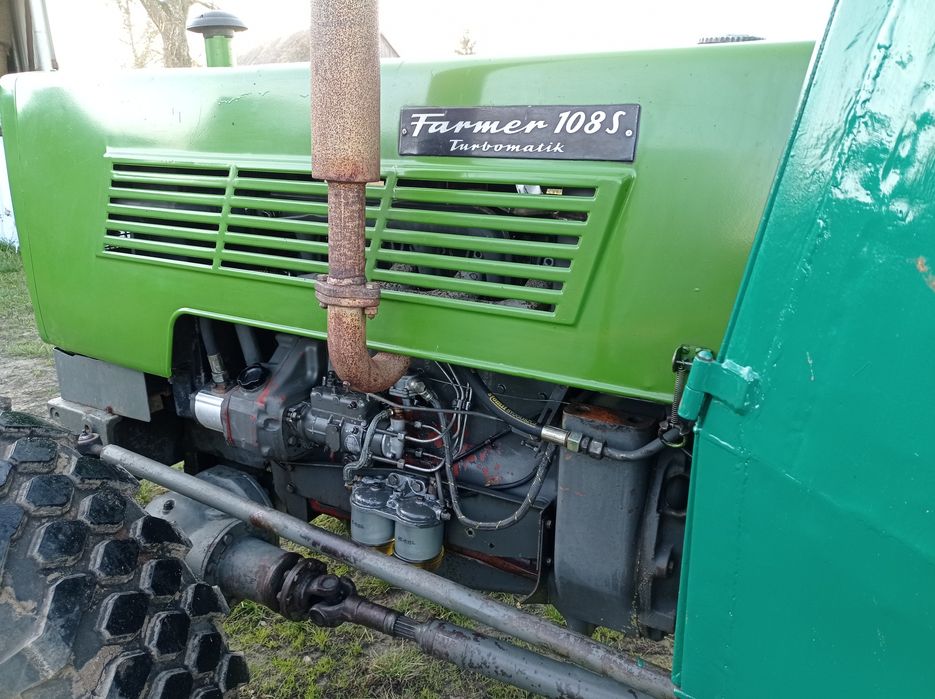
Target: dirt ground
(290,659)
(27,374)
(28,382)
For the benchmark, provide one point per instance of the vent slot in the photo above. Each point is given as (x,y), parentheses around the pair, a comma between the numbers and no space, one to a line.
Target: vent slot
(169,171)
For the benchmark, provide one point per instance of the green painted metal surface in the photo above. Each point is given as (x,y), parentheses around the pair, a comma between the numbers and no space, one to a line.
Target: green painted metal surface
(811,547)
(726,381)
(218,51)
(143,196)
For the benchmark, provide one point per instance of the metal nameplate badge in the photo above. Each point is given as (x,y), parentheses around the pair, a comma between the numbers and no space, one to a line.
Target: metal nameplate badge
(566,132)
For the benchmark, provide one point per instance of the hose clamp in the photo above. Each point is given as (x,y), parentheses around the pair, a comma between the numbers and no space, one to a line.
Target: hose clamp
(675,445)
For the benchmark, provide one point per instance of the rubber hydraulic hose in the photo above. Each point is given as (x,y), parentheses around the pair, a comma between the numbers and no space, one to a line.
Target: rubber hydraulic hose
(495,406)
(215,361)
(248,344)
(207,335)
(535,487)
(644,452)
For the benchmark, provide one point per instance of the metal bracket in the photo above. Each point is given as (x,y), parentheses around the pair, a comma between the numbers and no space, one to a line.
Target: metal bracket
(77,418)
(725,381)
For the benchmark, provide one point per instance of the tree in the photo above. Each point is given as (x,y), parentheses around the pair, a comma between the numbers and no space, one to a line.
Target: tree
(142,42)
(170,18)
(466,44)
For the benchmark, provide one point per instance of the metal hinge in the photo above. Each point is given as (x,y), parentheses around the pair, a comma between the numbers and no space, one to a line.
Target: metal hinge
(725,381)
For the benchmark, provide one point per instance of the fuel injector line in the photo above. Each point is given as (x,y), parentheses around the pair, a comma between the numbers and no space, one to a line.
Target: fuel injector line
(440,411)
(577,648)
(364,457)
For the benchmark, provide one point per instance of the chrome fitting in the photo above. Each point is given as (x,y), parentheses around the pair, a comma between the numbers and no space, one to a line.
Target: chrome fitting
(555,435)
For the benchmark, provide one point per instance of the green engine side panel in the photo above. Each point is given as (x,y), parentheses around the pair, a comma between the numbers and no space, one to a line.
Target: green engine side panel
(811,547)
(142,196)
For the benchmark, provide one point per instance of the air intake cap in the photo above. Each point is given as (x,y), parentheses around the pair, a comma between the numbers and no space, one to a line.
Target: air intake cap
(216,23)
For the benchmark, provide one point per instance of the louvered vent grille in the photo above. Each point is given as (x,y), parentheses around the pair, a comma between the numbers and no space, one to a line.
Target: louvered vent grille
(482,242)
(443,238)
(165,213)
(278,224)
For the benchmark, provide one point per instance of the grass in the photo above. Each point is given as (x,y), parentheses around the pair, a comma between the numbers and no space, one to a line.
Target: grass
(290,659)
(13,291)
(9,258)
(297,659)
(18,338)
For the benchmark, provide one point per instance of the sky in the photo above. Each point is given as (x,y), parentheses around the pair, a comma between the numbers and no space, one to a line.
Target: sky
(430,29)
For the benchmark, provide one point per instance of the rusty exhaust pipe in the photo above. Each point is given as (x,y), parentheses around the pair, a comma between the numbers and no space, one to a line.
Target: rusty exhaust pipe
(346,154)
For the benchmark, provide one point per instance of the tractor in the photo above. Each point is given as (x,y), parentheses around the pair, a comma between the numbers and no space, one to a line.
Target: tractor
(601,331)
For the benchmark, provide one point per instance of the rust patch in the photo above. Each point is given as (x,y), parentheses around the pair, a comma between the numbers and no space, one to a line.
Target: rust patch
(493,478)
(595,413)
(328,510)
(258,520)
(922,267)
(506,564)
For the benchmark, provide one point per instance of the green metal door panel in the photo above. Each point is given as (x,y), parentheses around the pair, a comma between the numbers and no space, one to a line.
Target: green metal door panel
(810,561)
(648,255)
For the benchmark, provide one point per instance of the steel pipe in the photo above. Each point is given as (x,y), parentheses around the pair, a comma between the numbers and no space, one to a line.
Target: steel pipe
(345,49)
(488,656)
(522,668)
(577,648)
(346,154)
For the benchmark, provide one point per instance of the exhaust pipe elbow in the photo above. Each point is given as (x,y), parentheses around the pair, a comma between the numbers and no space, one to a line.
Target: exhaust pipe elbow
(347,346)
